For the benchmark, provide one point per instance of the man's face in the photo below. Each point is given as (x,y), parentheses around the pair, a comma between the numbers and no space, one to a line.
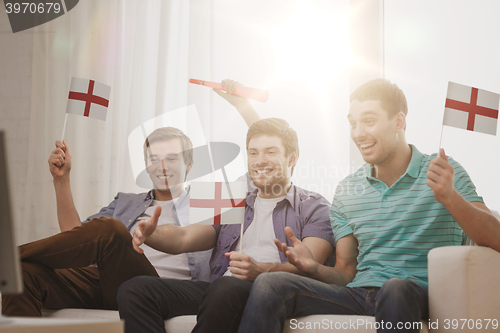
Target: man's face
(373,131)
(268,165)
(166,167)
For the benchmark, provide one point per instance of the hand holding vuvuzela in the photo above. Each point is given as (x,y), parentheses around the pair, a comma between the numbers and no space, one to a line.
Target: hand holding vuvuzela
(260,95)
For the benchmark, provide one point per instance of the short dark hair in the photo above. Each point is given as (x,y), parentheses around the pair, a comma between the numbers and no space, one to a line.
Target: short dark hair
(392,98)
(167,133)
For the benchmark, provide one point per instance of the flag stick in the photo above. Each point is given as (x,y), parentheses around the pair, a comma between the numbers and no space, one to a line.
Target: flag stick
(210,157)
(440,139)
(241,237)
(233,204)
(64,127)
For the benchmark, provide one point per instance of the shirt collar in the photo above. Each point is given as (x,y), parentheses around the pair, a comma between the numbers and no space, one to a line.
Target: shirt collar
(413,169)
(182,197)
(290,196)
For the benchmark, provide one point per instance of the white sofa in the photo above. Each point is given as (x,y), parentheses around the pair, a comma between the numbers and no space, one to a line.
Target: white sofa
(464,292)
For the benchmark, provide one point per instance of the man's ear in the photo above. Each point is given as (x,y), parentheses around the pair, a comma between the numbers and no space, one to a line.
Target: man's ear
(400,121)
(188,168)
(292,160)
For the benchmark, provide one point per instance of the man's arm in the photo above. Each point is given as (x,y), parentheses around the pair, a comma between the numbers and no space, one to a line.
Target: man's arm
(241,104)
(171,238)
(60,167)
(341,274)
(245,267)
(474,218)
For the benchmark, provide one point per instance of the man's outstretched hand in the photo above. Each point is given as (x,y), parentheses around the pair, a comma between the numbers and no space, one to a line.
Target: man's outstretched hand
(299,255)
(145,229)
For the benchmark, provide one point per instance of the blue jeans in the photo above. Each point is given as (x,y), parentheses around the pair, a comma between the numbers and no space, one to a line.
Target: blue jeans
(277,296)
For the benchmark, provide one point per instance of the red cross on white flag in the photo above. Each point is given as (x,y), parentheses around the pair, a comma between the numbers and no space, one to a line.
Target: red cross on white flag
(211,203)
(471,108)
(88,98)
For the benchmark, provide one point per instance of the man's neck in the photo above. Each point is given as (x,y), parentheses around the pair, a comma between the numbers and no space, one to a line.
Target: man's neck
(170,194)
(390,171)
(274,191)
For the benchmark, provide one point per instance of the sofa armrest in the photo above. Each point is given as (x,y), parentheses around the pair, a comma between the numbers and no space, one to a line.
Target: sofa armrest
(463,284)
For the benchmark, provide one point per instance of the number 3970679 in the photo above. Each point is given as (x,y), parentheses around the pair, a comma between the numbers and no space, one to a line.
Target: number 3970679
(33,8)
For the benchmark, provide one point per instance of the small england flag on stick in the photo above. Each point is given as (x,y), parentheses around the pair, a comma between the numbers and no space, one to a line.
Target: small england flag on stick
(87,98)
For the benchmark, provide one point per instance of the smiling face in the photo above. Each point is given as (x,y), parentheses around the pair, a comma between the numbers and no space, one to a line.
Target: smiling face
(268,165)
(374,132)
(166,168)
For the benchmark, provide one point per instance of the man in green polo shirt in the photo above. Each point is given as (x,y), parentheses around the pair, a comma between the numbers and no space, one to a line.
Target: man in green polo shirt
(385,217)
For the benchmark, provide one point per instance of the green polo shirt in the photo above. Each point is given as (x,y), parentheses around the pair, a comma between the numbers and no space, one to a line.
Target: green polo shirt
(396,226)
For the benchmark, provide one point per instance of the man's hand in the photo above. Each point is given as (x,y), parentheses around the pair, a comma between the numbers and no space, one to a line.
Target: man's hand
(245,267)
(441,177)
(299,255)
(60,161)
(229,87)
(145,229)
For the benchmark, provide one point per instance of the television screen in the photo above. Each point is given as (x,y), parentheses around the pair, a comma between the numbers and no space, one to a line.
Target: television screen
(10,270)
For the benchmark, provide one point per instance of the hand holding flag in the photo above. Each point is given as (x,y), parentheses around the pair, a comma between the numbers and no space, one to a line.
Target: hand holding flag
(245,267)
(145,229)
(60,161)
(441,178)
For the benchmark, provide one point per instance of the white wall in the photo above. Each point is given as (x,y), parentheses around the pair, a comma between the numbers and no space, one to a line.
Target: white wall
(16,51)
(427,44)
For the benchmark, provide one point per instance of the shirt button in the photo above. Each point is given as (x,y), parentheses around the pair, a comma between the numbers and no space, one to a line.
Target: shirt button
(248,218)
(130,220)
(145,205)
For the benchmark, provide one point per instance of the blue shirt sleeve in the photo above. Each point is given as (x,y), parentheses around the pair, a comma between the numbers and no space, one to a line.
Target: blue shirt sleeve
(107,211)
(317,222)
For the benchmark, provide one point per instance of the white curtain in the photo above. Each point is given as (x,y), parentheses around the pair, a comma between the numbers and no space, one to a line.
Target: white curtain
(141,50)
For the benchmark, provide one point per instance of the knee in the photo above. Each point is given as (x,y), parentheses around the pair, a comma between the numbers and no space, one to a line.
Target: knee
(397,290)
(227,290)
(32,273)
(270,284)
(272,278)
(110,228)
(134,292)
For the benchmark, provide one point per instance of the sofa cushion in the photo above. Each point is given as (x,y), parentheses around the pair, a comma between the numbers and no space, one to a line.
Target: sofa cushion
(181,324)
(184,324)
